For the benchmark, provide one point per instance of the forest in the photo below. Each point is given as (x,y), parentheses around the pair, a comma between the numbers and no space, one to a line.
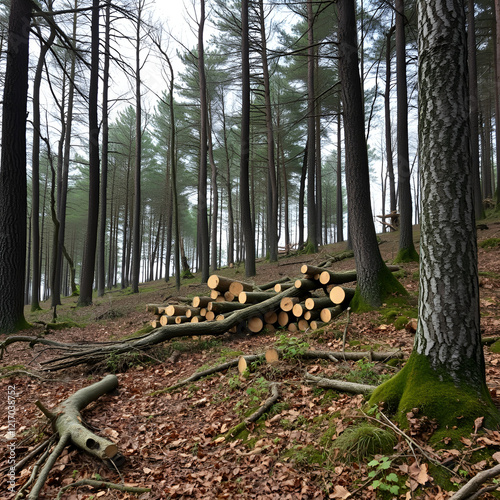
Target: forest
(194,206)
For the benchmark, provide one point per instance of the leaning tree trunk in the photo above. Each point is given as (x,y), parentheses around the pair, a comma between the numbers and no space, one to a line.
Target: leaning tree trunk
(375,281)
(445,375)
(13,190)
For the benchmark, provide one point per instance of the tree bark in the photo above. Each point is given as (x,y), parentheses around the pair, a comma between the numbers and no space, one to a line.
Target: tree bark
(446,370)
(13,190)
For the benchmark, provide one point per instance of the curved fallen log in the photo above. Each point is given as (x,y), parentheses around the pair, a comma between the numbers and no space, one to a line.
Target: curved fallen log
(339,385)
(67,423)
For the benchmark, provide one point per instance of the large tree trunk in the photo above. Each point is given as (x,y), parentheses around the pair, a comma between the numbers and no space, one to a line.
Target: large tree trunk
(246,216)
(88,266)
(340,192)
(497,94)
(445,375)
(13,190)
(406,252)
(374,279)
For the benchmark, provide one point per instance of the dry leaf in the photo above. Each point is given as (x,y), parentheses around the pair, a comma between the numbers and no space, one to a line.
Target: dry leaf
(478,423)
(496,456)
(339,492)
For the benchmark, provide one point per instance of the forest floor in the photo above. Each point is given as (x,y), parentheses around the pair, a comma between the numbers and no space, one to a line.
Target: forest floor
(174,442)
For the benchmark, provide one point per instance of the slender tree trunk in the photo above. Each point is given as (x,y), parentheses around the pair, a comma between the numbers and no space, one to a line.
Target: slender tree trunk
(13,190)
(340,193)
(88,266)
(101,268)
(204,239)
(375,281)
(388,127)
(497,96)
(407,250)
(215,196)
(312,242)
(272,229)
(246,217)
(474,109)
(136,236)
(302,191)
(35,169)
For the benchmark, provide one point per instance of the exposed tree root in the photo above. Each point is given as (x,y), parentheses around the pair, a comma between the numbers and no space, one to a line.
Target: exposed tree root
(232,433)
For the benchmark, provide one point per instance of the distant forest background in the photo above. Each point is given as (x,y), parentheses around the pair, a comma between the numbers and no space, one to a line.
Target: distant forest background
(168,188)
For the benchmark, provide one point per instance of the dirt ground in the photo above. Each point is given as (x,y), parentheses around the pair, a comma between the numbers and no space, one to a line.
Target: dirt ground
(173,442)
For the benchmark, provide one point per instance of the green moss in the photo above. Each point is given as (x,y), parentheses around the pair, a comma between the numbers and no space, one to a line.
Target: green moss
(406,255)
(495,347)
(305,455)
(309,248)
(387,287)
(417,385)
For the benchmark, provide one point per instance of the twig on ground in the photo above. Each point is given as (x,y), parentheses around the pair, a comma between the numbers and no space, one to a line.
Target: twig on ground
(100,485)
(345,331)
(470,490)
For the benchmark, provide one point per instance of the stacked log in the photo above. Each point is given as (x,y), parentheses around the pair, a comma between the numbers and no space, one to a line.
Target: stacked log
(300,305)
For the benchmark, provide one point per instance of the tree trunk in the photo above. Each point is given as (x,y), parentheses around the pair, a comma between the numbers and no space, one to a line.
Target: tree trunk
(13,190)
(204,239)
(406,252)
(88,265)
(497,95)
(312,243)
(474,109)
(388,128)
(136,228)
(374,279)
(246,218)
(101,261)
(445,375)
(340,193)
(272,229)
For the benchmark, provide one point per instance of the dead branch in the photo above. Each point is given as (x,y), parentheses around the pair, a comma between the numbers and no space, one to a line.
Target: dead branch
(256,415)
(471,489)
(339,385)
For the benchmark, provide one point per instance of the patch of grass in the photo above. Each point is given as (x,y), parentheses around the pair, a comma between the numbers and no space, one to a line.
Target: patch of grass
(360,442)
(364,373)
(489,243)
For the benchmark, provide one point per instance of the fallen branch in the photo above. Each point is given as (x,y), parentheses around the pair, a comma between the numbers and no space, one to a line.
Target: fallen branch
(339,385)
(471,489)
(101,485)
(256,415)
(67,423)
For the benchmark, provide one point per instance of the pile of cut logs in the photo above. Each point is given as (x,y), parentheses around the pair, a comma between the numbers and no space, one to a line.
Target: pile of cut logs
(318,298)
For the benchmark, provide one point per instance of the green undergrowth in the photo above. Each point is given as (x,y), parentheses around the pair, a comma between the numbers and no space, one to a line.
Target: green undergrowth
(398,310)
(489,243)
(406,255)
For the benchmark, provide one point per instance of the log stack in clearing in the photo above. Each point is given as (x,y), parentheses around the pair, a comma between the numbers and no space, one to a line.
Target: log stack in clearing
(317,296)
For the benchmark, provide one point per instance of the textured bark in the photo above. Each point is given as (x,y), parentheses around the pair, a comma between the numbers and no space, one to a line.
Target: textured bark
(445,375)
(497,94)
(13,191)
(372,272)
(448,330)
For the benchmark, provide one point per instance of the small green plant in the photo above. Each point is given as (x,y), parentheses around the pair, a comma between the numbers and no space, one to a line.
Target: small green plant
(97,477)
(364,373)
(293,347)
(387,482)
(489,243)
